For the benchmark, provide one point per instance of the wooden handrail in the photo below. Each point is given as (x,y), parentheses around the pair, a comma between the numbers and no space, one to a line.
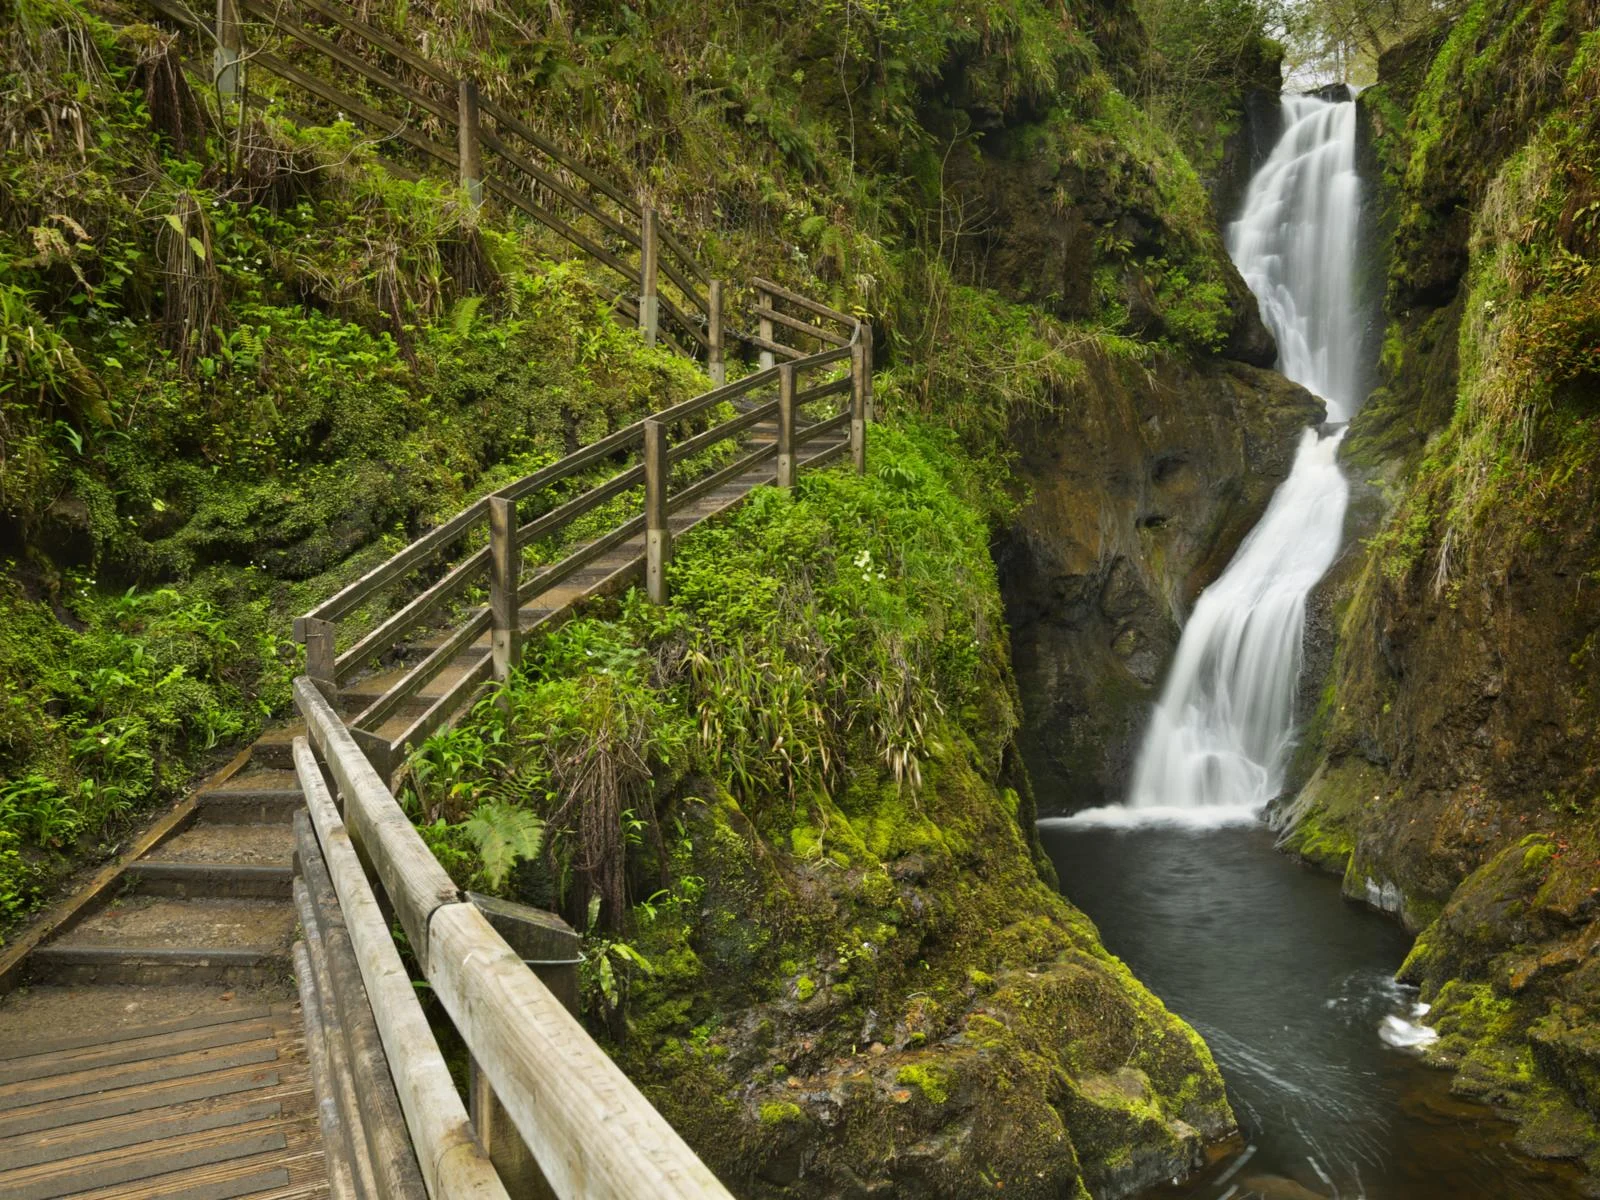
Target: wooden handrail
(452,1162)
(805,302)
(591,1131)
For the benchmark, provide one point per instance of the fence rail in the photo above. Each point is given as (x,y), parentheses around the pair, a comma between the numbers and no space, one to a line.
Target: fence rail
(487,545)
(488,150)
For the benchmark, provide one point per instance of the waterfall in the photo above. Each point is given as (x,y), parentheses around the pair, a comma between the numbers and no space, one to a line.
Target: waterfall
(1220,738)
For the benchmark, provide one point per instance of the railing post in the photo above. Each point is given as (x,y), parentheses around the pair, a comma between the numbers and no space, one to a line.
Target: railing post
(716,367)
(764,300)
(467,146)
(786,381)
(503,562)
(657,535)
(859,366)
(230,47)
(867,411)
(317,635)
(649,259)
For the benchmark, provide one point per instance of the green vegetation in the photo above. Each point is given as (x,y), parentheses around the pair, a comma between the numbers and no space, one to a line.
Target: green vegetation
(245,362)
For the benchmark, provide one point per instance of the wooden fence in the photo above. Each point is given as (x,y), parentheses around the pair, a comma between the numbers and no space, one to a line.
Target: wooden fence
(577,1126)
(337,60)
(486,544)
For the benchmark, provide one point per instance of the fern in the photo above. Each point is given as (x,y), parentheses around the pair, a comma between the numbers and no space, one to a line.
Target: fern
(504,835)
(465,314)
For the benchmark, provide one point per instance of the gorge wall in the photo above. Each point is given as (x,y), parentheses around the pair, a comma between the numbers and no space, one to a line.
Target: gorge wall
(1452,752)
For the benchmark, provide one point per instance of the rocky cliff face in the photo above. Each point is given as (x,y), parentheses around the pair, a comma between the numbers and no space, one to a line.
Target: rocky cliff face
(1455,750)
(1141,489)
(1142,481)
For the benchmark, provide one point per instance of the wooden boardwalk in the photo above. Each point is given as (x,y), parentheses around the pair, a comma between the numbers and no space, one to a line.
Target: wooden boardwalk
(209,1107)
(156,1049)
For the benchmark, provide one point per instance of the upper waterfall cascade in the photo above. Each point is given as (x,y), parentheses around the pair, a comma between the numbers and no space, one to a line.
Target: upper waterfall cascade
(1220,738)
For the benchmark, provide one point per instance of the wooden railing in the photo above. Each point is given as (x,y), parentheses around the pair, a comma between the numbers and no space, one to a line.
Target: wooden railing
(446,121)
(486,545)
(579,1124)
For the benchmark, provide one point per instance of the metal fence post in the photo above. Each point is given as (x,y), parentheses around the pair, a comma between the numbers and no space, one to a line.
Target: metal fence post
(658,535)
(649,259)
(467,145)
(786,463)
(716,367)
(503,582)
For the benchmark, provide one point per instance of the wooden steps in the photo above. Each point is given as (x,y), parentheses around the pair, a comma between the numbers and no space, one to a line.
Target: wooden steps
(610,571)
(185,1074)
(211,1107)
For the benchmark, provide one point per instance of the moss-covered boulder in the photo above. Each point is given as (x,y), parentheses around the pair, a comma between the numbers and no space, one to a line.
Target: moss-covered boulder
(885,999)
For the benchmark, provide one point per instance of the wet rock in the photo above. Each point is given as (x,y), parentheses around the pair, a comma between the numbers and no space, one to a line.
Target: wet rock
(1141,489)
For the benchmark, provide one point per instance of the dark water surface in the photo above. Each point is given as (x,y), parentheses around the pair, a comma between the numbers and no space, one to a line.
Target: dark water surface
(1288,983)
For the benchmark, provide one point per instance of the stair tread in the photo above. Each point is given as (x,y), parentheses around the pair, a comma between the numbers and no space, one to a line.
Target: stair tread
(255,779)
(197,925)
(245,845)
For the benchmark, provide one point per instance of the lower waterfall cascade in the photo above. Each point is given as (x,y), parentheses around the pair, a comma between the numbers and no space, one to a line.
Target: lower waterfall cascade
(1221,735)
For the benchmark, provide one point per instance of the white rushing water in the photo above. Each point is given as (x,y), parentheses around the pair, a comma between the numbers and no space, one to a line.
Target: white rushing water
(1220,738)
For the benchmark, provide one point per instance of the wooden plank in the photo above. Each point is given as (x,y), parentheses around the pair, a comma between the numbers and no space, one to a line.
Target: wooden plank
(805,327)
(612,443)
(32,1150)
(347,103)
(718,433)
(805,302)
(809,433)
(452,1163)
(442,709)
(692,328)
(55,1113)
(578,559)
(381,40)
(422,551)
(593,178)
(330,1121)
(682,253)
(729,473)
(274,15)
(387,1143)
(133,1163)
(131,1050)
(381,709)
(826,358)
(591,1131)
(344,1088)
(773,347)
(51,1049)
(584,502)
(544,179)
(412,878)
(389,631)
(837,387)
(681,281)
(66,1087)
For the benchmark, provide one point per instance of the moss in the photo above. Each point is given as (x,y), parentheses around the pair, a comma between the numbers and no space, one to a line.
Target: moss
(933,1081)
(781,1112)
(804,988)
